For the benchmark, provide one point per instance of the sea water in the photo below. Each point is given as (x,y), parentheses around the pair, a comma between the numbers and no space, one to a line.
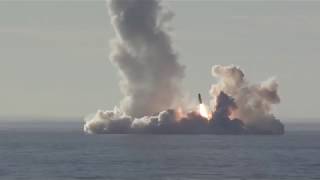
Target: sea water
(61,151)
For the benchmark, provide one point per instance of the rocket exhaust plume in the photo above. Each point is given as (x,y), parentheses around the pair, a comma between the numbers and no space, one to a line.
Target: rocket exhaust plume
(151,79)
(203,110)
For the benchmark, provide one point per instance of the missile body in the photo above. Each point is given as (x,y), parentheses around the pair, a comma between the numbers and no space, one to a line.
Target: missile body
(199,98)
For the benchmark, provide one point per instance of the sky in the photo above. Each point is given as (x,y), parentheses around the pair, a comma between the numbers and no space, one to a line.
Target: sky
(54,54)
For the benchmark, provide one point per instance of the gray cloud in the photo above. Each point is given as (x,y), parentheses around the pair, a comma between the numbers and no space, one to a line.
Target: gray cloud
(151,78)
(254,101)
(148,66)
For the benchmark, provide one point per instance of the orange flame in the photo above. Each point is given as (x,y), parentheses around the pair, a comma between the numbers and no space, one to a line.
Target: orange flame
(179,113)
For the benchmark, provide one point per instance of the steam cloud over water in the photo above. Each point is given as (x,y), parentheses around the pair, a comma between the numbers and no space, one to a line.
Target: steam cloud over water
(151,77)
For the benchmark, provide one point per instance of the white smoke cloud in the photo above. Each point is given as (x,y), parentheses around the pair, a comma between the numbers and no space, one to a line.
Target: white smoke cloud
(151,77)
(254,101)
(108,122)
(165,122)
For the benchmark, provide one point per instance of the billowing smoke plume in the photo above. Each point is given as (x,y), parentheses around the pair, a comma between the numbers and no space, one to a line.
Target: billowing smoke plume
(170,121)
(254,101)
(151,78)
(165,122)
(222,122)
(151,75)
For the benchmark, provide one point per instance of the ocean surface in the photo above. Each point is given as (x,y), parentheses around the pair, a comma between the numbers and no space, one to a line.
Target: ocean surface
(61,151)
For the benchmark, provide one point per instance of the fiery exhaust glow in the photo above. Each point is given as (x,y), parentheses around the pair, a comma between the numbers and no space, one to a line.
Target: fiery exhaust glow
(179,114)
(204,111)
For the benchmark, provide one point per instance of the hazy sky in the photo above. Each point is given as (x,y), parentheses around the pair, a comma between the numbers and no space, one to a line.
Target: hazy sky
(54,54)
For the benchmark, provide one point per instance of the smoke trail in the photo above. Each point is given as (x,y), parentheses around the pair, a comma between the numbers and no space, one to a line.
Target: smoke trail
(254,101)
(151,77)
(148,66)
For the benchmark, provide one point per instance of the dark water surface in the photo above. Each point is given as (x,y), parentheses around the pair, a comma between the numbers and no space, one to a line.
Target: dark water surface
(42,154)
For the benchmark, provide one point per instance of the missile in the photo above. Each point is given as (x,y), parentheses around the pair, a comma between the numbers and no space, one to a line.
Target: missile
(199,98)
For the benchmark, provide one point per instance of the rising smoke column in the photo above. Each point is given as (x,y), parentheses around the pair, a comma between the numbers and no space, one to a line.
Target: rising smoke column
(151,77)
(254,101)
(148,67)
(143,53)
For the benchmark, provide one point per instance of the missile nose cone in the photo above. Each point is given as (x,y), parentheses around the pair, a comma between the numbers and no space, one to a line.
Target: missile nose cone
(199,98)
